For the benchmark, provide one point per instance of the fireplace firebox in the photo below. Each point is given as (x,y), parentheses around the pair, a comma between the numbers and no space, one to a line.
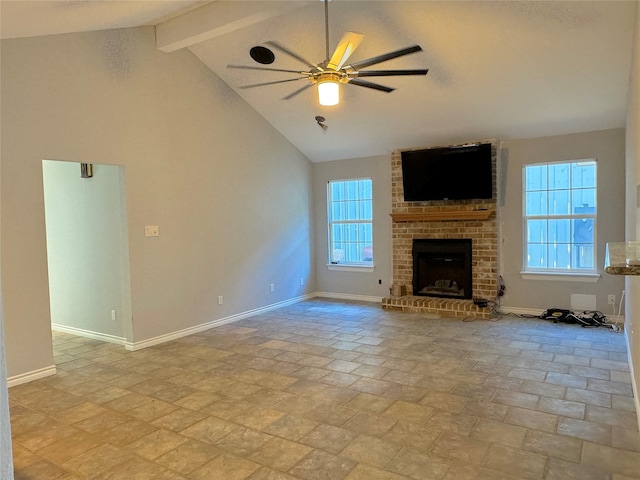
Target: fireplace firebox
(442,268)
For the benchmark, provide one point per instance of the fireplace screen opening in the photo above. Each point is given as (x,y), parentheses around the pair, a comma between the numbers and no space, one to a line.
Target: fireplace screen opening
(442,268)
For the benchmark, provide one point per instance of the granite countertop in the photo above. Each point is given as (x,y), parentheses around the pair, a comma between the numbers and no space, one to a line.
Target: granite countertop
(622,258)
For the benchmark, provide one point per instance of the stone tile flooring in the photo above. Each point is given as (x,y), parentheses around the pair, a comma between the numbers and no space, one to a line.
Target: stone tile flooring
(336,390)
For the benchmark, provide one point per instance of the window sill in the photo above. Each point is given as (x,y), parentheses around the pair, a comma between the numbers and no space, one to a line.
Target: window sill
(561,277)
(344,267)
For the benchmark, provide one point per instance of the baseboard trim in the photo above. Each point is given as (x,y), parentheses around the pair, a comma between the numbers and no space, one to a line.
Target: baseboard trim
(616,319)
(521,311)
(634,384)
(347,296)
(31,376)
(134,346)
(81,332)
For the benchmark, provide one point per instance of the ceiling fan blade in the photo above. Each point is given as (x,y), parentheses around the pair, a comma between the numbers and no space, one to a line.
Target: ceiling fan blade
(292,54)
(300,90)
(375,86)
(389,73)
(271,83)
(248,67)
(348,43)
(387,56)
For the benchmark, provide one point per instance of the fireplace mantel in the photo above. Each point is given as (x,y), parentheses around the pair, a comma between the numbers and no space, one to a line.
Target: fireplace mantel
(443,215)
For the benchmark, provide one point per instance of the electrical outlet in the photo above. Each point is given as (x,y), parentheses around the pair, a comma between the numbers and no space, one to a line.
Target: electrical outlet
(301,281)
(272,287)
(113,314)
(151,231)
(611,299)
(220,300)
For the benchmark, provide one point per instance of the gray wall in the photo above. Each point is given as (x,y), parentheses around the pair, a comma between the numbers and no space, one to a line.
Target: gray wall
(632,284)
(87,249)
(355,284)
(231,197)
(608,148)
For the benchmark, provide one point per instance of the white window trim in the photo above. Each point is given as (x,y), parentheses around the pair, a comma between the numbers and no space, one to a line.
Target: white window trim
(589,276)
(556,276)
(346,266)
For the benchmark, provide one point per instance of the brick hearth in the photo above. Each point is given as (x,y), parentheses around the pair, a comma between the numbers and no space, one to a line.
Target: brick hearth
(438,306)
(450,224)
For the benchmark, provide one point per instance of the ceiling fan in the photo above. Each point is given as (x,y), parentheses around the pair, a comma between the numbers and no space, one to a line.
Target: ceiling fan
(334,70)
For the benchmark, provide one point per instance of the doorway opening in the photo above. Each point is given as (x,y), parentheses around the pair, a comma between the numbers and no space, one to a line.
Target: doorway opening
(88,250)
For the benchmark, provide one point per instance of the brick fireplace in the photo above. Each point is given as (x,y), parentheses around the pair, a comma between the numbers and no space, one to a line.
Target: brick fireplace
(473,220)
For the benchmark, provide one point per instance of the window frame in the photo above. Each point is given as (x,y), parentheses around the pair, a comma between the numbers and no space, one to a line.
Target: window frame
(589,274)
(355,266)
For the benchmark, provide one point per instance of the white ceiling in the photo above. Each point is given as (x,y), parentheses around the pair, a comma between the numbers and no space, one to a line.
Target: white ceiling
(506,69)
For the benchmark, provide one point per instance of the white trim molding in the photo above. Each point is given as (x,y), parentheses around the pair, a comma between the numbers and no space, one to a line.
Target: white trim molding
(350,268)
(617,320)
(347,296)
(31,376)
(81,332)
(634,385)
(134,346)
(521,311)
(561,277)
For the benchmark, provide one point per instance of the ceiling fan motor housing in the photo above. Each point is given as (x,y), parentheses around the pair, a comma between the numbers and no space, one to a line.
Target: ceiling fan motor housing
(335,77)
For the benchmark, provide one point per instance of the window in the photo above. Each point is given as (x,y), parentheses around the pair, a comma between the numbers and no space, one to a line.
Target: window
(560,217)
(350,214)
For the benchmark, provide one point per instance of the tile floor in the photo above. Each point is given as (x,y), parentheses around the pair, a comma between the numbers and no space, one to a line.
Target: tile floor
(336,390)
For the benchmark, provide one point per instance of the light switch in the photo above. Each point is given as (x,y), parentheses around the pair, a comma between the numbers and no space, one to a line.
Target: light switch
(150,230)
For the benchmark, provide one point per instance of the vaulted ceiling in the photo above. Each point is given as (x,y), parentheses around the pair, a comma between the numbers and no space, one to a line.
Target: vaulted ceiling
(505,69)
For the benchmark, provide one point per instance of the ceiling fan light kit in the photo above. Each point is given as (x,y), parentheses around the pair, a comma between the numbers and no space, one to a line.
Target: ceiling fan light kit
(328,89)
(334,70)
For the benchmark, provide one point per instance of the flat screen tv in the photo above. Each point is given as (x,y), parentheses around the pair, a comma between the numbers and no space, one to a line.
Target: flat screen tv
(451,173)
